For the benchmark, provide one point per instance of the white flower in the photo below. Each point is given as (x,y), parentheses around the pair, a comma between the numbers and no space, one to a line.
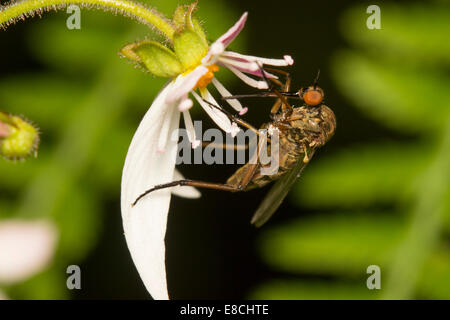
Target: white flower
(26,247)
(151,157)
(203,74)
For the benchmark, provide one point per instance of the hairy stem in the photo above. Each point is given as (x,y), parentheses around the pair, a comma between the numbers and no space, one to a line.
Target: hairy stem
(20,10)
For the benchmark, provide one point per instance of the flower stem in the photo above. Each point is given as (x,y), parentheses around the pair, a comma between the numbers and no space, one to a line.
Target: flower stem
(28,8)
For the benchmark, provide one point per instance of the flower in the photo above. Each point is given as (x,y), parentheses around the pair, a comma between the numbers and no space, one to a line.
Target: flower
(203,74)
(151,156)
(193,67)
(26,248)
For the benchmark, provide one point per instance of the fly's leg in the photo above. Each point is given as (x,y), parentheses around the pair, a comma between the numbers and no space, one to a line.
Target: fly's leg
(205,185)
(187,182)
(286,88)
(306,158)
(210,185)
(234,118)
(224,146)
(282,100)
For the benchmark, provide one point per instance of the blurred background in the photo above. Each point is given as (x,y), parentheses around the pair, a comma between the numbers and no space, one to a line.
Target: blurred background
(377,194)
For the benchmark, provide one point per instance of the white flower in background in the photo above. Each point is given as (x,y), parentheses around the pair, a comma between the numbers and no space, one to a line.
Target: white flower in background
(26,248)
(151,157)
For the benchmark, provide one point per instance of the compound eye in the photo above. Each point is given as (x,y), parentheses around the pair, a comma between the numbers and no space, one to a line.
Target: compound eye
(313,97)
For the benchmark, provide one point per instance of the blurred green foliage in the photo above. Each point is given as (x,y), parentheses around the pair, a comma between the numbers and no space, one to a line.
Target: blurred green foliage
(383,203)
(88,103)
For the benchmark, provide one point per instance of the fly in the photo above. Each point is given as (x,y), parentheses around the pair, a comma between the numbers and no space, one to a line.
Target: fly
(302,130)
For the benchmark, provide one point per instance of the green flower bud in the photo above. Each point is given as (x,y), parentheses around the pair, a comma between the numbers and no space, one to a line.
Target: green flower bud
(18,138)
(154,57)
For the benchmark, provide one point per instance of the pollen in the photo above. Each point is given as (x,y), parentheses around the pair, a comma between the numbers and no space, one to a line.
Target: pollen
(207,77)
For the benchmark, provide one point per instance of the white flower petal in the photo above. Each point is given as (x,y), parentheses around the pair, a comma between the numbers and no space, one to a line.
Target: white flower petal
(145,223)
(183,84)
(26,248)
(233,32)
(225,93)
(184,191)
(165,130)
(215,114)
(219,46)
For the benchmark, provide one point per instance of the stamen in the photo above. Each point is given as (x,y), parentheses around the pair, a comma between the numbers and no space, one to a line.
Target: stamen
(207,77)
(251,82)
(215,114)
(185,104)
(190,129)
(243,111)
(234,129)
(286,61)
(244,66)
(234,103)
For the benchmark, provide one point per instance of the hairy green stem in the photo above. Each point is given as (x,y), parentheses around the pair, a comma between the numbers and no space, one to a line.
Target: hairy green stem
(28,8)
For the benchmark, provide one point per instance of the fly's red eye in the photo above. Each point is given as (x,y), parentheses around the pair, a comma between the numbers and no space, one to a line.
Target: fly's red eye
(313,97)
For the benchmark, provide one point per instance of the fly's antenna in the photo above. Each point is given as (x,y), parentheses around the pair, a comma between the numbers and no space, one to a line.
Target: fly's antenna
(316,81)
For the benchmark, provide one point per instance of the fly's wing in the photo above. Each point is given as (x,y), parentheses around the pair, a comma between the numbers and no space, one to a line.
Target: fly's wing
(276,195)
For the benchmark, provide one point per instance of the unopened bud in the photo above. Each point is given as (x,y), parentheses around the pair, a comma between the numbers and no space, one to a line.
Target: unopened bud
(18,138)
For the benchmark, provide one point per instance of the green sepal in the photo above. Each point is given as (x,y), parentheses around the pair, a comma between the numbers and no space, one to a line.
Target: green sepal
(193,24)
(179,18)
(154,57)
(197,27)
(190,48)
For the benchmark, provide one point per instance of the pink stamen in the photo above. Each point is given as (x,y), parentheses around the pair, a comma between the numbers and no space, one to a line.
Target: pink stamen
(288,60)
(243,111)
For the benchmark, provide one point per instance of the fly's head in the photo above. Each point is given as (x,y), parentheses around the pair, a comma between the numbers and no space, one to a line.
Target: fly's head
(312,95)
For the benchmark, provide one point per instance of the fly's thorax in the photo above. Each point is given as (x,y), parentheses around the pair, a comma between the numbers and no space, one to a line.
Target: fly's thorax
(328,123)
(306,119)
(316,124)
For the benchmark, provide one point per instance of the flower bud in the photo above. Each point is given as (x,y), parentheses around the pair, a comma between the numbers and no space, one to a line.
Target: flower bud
(18,138)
